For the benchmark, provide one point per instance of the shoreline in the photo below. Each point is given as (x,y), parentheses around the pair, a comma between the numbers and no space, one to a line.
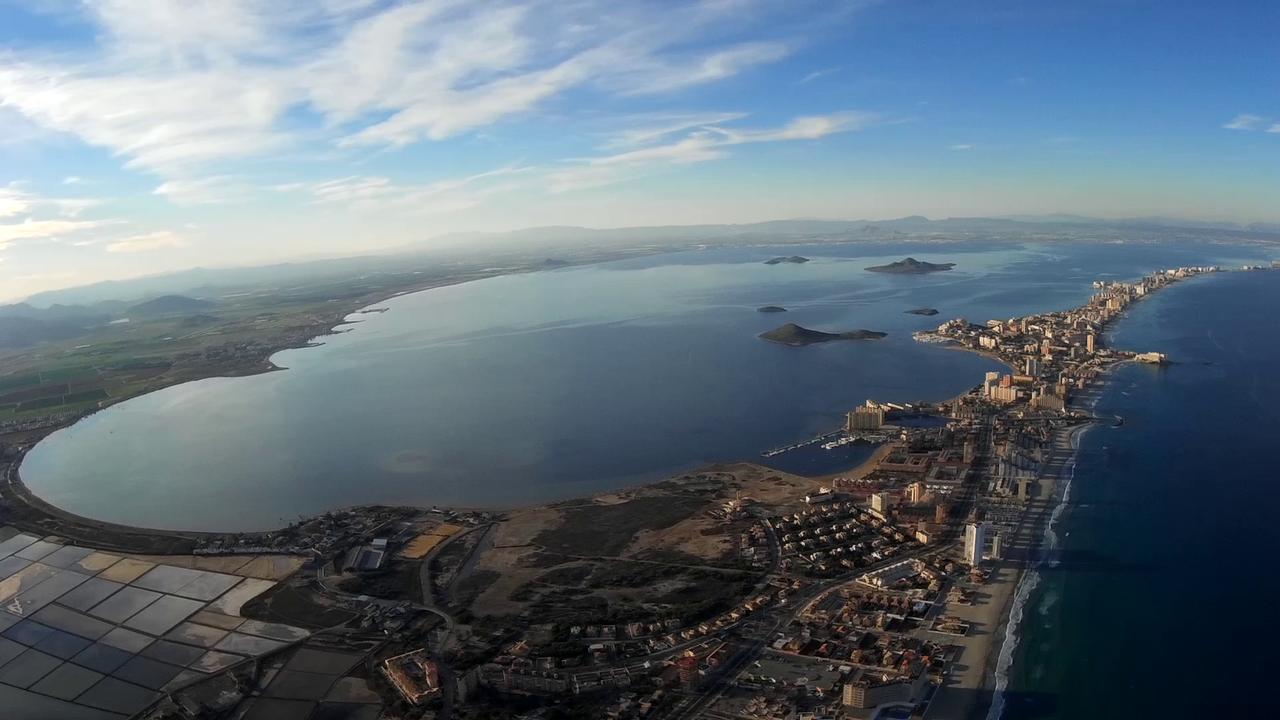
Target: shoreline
(1001,656)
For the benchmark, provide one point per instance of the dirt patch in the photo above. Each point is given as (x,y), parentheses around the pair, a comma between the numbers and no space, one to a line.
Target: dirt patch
(687,537)
(594,530)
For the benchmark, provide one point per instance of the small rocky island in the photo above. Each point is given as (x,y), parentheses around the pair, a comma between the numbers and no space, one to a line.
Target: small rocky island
(797,336)
(794,259)
(911,266)
(771,309)
(922,311)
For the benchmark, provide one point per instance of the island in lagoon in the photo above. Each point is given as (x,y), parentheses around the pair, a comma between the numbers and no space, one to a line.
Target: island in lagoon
(796,336)
(923,311)
(793,259)
(771,309)
(911,266)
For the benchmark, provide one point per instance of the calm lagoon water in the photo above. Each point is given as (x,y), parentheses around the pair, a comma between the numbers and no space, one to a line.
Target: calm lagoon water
(536,387)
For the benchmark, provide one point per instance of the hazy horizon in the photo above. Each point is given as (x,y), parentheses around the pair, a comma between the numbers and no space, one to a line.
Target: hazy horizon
(139,138)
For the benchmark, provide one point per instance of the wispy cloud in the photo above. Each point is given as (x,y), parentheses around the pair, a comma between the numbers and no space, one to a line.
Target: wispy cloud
(707,143)
(13,202)
(177,88)
(657,75)
(656,127)
(960,146)
(28,216)
(381,194)
(1245,121)
(817,74)
(149,242)
(214,190)
(1275,128)
(33,229)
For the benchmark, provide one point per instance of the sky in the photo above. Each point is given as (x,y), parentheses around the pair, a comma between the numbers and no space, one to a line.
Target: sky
(142,136)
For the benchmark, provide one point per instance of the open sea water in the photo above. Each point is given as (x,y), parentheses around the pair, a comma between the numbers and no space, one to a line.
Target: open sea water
(1160,602)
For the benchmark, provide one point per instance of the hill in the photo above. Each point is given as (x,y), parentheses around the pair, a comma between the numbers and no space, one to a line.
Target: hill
(170,305)
(797,336)
(911,266)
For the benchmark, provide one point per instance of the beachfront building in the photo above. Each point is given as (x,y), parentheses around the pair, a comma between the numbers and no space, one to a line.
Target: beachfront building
(865,417)
(975,541)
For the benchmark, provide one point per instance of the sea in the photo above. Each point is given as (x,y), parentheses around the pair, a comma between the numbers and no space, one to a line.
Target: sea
(1159,599)
(544,386)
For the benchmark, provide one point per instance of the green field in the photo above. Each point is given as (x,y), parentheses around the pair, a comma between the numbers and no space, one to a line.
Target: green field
(54,401)
(18,382)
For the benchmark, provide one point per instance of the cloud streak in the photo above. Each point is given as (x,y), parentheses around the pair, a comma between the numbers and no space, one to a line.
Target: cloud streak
(707,142)
(374,194)
(1244,121)
(149,242)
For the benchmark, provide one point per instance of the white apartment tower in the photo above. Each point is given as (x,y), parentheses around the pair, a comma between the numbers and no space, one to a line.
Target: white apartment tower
(975,542)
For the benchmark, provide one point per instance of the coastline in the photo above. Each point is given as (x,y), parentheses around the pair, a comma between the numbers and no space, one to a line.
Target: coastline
(1001,655)
(49,519)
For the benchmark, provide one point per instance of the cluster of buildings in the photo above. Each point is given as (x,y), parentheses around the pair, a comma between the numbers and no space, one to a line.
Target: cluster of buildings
(1055,353)
(836,537)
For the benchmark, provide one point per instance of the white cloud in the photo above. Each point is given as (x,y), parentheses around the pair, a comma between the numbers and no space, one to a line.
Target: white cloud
(960,146)
(175,88)
(1244,121)
(202,191)
(72,180)
(159,240)
(653,128)
(665,76)
(73,207)
(708,143)
(381,195)
(13,202)
(42,218)
(816,74)
(1275,128)
(32,229)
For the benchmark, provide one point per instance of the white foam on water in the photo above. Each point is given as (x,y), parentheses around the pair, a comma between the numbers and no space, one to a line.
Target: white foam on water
(1027,585)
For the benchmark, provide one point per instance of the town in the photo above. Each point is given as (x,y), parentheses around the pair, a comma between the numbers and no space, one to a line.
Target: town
(733,592)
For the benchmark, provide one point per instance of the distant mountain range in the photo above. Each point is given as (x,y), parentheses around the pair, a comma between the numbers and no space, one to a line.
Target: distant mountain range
(170,305)
(535,245)
(23,325)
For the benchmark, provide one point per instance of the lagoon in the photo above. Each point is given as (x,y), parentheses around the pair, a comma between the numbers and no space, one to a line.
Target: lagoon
(538,387)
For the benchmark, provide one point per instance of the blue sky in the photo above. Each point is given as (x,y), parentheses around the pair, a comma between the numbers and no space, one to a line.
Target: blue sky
(138,136)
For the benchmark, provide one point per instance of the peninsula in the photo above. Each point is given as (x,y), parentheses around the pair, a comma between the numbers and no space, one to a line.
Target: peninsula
(911,266)
(797,336)
(793,259)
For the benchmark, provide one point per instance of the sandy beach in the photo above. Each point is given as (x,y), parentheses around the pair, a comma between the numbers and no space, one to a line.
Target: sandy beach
(972,685)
